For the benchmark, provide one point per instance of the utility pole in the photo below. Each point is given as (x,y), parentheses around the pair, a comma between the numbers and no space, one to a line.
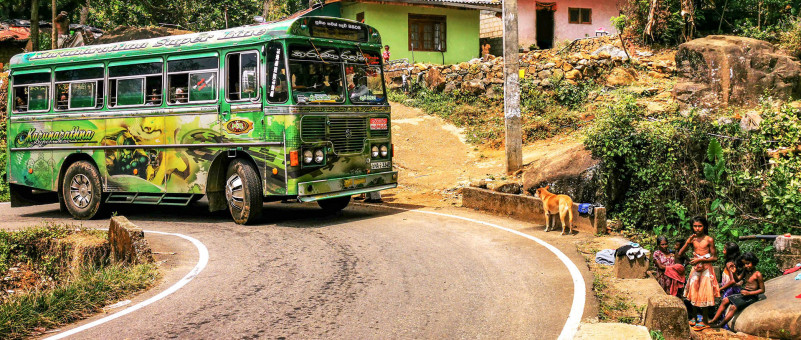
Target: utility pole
(511,88)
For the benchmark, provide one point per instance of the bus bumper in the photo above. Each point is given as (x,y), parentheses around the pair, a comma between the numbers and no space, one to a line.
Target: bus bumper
(330,188)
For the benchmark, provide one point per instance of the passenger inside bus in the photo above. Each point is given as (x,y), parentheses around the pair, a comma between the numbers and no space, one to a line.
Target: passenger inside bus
(63,96)
(154,98)
(19,104)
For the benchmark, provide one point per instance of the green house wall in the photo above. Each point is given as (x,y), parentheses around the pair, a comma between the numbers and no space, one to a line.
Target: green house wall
(392,22)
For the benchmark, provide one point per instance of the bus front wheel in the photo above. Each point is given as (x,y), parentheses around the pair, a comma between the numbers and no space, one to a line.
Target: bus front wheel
(81,190)
(333,205)
(243,192)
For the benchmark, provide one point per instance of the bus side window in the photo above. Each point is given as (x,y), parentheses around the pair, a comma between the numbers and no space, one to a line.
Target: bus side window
(242,76)
(79,88)
(192,80)
(135,84)
(31,92)
(277,89)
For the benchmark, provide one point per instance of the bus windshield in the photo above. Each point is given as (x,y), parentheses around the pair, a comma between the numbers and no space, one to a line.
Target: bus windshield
(316,82)
(322,74)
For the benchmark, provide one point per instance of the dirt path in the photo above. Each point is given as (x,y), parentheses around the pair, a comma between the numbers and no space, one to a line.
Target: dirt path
(434,160)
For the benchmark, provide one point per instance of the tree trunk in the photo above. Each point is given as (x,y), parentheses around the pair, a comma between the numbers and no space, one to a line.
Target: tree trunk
(266,9)
(53,30)
(85,12)
(34,25)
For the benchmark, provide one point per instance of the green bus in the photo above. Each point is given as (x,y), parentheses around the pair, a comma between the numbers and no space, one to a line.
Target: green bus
(289,110)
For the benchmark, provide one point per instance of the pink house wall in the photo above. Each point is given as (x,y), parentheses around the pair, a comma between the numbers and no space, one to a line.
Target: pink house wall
(602,11)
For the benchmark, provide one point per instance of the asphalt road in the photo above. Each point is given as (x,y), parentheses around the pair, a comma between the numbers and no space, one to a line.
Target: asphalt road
(368,272)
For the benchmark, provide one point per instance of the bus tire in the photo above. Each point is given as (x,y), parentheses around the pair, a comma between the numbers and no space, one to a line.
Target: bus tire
(243,192)
(81,190)
(333,205)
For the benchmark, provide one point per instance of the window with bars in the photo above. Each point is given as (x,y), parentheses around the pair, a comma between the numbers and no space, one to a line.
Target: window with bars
(579,15)
(427,32)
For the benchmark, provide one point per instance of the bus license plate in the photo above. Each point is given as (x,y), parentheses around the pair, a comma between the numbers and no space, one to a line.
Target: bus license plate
(379,165)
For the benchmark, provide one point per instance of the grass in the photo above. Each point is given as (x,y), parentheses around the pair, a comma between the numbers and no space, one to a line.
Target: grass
(74,300)
(72,278)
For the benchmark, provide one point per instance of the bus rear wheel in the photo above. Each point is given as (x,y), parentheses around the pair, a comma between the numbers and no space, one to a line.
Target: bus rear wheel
(333,205)
(243,192)
(81,190)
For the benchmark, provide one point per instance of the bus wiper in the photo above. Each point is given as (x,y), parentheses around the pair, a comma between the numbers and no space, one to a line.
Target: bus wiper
(318,51)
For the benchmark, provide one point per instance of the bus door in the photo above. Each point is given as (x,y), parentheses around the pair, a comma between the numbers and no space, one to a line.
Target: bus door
(135,136)
(241,111)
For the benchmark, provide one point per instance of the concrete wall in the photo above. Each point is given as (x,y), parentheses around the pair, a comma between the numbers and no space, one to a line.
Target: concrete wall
(392,21)
(602,11)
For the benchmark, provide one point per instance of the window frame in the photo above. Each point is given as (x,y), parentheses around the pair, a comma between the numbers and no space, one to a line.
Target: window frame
(424,19)
(268,68)
(258,77)
(580,10)
(189,76)
(94,95)
(28,102)
(144,77)
(96,89)
(116,81)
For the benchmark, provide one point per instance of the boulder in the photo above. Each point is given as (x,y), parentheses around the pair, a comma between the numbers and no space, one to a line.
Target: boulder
(731,70)
(609,51)
(435,81)
(504,187)
(128,242)
(573,74)
(778,316)
(619,77)
(450,87)
(668,314)
(573,174)
(631,269)
(473,86)
(544,74)
(751,121)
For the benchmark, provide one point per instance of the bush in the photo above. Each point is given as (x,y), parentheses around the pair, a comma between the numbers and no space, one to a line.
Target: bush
(790,40)
(659,173)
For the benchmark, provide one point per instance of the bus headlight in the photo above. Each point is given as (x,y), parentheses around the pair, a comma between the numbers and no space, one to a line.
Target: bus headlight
(307,156)
(374,151)
(319,156)
(384,150)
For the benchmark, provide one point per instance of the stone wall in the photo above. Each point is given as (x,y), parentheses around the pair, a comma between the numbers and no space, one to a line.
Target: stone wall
(580,61)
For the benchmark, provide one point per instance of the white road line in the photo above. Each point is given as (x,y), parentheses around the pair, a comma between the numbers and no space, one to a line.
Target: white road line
(203,255)
(579,288)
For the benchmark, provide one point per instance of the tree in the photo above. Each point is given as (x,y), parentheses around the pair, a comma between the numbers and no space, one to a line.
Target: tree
(34,25)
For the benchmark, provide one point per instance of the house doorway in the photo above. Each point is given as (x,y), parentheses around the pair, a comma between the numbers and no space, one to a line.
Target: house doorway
(545,24)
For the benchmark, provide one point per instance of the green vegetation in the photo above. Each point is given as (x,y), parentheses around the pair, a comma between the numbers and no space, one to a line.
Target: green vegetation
(64,274)
(661,171)
(761,19)
(545,113)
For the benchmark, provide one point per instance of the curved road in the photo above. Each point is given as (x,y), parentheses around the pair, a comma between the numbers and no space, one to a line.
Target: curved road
(369,272)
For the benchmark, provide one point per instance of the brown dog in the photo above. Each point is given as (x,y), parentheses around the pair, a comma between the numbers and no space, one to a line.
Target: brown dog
(553,204)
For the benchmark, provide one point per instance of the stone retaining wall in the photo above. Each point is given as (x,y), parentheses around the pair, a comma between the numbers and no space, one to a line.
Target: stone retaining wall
(528,208)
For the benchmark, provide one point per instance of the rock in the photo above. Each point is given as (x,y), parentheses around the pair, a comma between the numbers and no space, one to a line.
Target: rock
(473,87)
(573,175)
(737,71)
(573,74)
(505,187)
(619,77)
(778,316)
(434,80)
(657,75)
(549,65)
(751,121)
(532,70)
(558,73)
(544,74)
(631,269)
(567,67)
(464,65)
(128,242)
(450,87)
(611,331)
(609,51)
(724,121)
(668,314)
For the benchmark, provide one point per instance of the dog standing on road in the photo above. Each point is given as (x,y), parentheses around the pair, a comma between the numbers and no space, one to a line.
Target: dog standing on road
(554,204)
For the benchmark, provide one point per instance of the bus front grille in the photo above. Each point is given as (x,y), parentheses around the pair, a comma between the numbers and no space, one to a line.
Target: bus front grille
(347,134)
(312,128)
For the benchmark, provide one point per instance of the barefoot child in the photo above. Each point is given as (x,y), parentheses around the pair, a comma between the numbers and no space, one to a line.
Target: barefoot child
(702,286)
(753,285)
